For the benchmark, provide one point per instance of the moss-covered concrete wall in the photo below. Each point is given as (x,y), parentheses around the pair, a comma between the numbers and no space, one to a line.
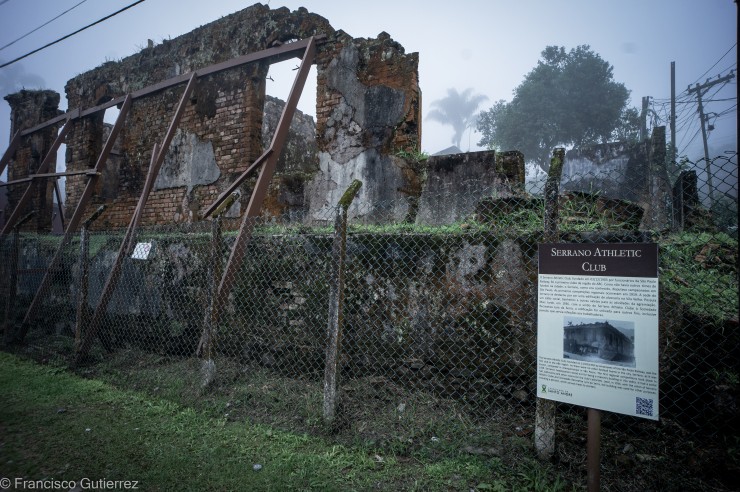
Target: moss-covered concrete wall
(460,304)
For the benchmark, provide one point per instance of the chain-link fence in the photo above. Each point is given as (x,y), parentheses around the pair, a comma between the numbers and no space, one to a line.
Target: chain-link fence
(433,327)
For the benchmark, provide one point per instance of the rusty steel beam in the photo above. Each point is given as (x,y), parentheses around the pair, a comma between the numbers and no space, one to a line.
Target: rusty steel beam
(162,149)
(10,150)
(89,172)
(238,181)
(69,115)
(280,53)
(158,154)
(60,205)
(112,281)
(254,208)
(51,155)
(275,54)
(71,227)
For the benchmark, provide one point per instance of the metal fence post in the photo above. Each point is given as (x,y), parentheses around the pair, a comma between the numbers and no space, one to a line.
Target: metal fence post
(83,278)
(205,346)
(336,294)
(544,427)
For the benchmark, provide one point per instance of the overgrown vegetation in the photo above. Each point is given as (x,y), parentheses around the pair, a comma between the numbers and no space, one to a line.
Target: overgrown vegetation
(701,267)
(413,154)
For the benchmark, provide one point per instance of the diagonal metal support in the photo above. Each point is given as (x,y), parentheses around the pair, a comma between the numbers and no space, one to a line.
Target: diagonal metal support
(158,154)
(43,167)
(238,181)
(60,205)
(46,175)
(307,47)
(115,274)
(14,142)
(254,208)
(76,217)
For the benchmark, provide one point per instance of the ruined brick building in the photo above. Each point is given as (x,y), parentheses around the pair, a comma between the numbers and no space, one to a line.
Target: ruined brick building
(367,108)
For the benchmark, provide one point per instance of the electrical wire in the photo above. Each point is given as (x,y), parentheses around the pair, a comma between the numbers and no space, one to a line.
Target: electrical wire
(72,34)
(715,63)
(42,25)
(696,134)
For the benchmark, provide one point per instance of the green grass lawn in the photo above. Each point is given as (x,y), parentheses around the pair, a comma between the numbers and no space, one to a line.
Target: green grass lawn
(55,425)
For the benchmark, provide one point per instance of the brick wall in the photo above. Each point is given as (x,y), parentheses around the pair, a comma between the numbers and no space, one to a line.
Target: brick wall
(226,110)
(28,109)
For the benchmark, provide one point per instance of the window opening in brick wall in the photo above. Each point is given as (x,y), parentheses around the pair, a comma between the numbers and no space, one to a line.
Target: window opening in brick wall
(280,79)
(109,180)
(62,167)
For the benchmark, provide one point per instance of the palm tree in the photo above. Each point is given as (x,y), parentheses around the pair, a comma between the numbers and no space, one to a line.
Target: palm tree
(458,110)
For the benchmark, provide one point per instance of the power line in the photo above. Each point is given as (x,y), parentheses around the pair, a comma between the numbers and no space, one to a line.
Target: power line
(698,131)
(71,34)
(715,63)
(42,25)
(3,2)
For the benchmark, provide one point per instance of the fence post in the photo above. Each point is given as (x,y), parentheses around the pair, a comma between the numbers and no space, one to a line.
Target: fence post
(83,277)
(336,298)
(205,345)
(13,281)
(544,427)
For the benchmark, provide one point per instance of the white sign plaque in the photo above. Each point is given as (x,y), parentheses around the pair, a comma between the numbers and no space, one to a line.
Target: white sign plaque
(597,326)
(141,251)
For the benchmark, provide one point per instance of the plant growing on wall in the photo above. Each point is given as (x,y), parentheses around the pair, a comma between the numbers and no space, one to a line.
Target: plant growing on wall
(569,98)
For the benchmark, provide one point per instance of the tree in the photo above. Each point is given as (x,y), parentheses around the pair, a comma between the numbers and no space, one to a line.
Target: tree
(457,110)
(568,99)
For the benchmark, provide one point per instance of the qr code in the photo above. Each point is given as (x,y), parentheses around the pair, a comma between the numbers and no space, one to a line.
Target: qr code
(644,406)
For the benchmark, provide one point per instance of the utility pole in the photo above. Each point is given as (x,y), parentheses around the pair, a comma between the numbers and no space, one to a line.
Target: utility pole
(673,115)
(700,90)
(643,118)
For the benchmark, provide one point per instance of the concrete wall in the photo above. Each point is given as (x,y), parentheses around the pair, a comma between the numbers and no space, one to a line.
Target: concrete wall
(456,183)
(634,172)
(459,304)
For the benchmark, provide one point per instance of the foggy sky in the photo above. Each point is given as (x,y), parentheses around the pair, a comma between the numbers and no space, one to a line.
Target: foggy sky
(485,45)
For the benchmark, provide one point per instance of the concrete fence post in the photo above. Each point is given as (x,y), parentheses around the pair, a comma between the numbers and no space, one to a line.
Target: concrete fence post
(205,345)
(83,277)
(544,428)
(336,297)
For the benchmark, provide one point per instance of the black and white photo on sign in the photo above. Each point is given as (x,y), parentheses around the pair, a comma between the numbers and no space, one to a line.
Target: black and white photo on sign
(601,340)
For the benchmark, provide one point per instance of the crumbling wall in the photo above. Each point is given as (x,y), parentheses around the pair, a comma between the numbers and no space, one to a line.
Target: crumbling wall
(368,107)
(628,171)
(464,180)
(28,109)
(368,104)
(298,162)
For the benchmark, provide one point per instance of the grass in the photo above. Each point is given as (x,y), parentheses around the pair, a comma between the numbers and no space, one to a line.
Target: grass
(702,269)
(56,425)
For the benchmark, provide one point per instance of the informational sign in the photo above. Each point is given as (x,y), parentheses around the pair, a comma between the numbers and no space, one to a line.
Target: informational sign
(141,251)
(597,326)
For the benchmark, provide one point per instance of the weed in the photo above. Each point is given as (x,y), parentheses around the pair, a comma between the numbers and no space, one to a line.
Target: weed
(413,154)
(702,269)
